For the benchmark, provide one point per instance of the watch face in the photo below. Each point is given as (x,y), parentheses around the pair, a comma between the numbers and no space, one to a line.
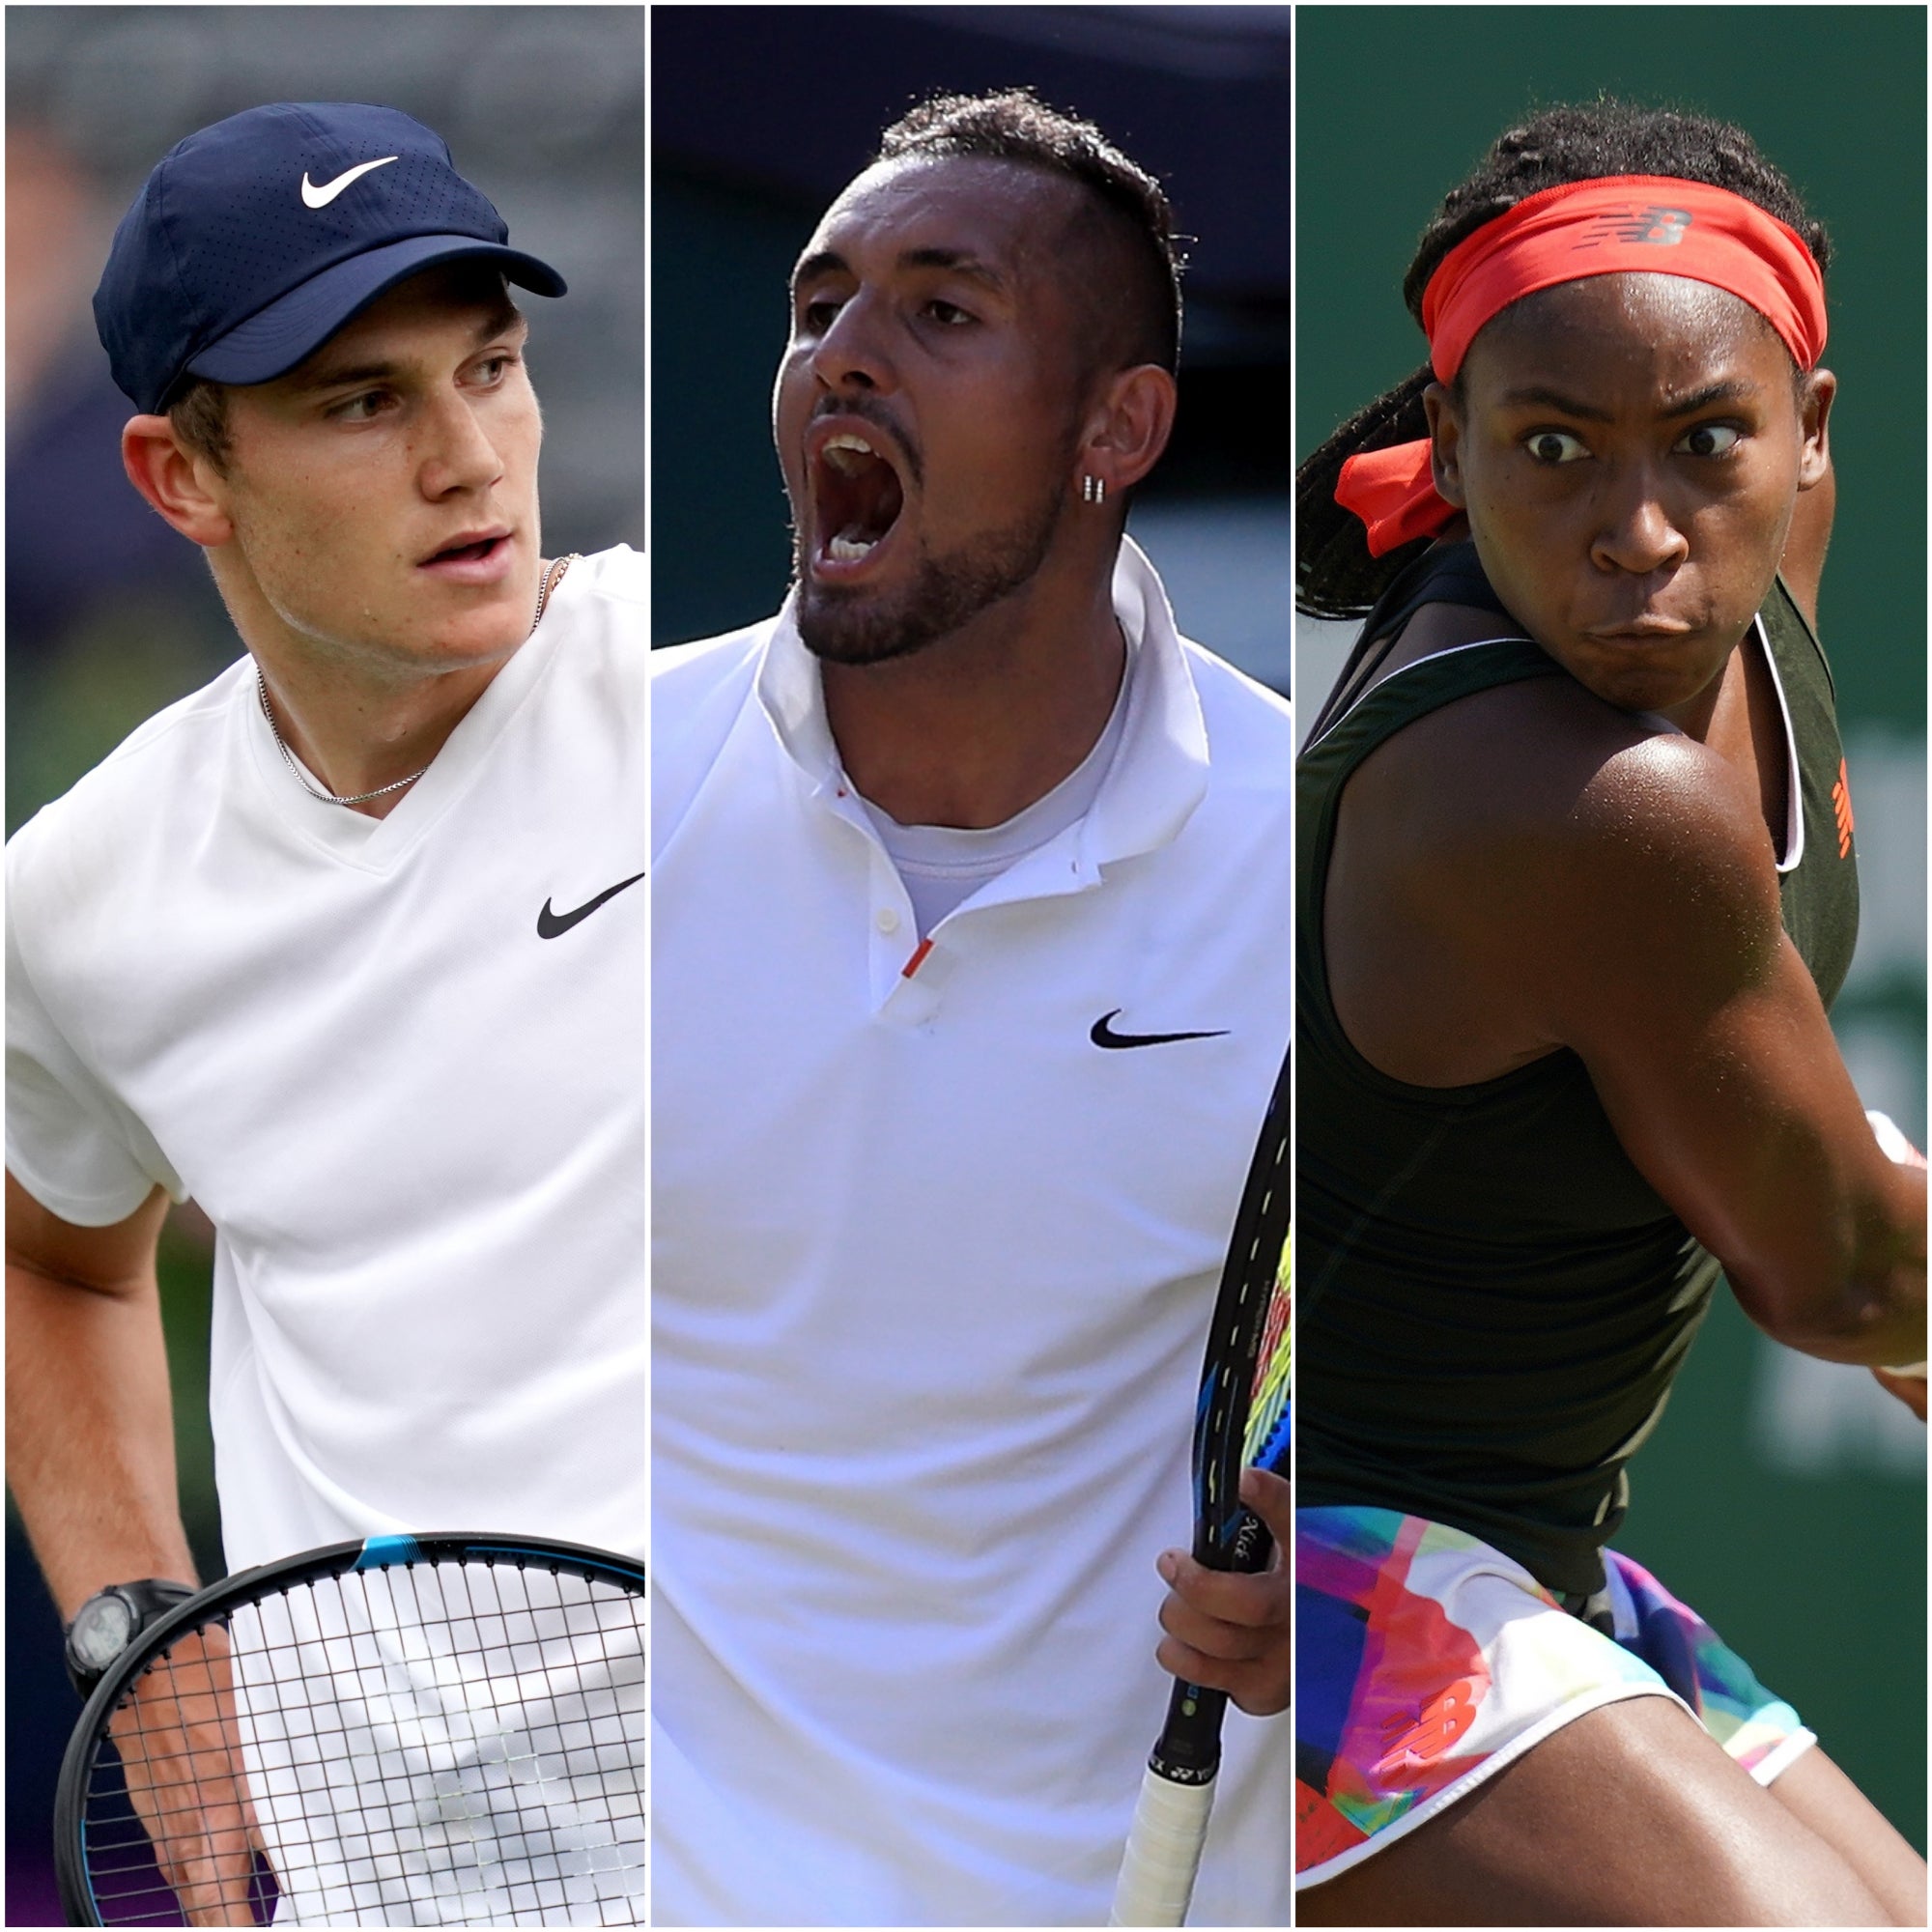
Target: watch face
(101,1631)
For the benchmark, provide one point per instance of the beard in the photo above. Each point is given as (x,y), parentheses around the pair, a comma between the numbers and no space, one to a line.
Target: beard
(862,626)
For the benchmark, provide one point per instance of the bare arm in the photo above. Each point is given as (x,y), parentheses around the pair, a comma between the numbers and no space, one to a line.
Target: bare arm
(1649,940)
(89,1434)
(90,1460)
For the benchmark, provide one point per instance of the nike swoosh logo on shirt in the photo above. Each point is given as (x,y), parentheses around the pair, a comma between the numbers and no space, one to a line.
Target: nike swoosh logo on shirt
(1104,1034)
(551,924)
(321,197)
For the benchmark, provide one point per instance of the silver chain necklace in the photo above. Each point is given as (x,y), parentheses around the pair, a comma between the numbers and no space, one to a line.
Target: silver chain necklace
(553,576)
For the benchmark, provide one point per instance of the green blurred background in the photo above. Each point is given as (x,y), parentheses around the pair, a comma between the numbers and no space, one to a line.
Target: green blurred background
(1783,1497)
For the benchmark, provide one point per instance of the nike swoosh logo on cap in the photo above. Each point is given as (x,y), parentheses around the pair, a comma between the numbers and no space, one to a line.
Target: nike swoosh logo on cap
(321,197)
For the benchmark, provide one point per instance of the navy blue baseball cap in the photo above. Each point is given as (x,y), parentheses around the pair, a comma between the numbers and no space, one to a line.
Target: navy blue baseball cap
(255,241)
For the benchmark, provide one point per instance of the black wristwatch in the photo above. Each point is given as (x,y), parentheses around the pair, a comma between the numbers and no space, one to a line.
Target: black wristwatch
(110,1620)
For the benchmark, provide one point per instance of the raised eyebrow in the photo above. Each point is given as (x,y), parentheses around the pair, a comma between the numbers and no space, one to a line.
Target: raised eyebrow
(1539,397)
(1735,391)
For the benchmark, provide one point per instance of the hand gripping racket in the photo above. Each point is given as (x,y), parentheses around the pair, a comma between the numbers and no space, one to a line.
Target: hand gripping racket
(411,1730)
(1242,1417)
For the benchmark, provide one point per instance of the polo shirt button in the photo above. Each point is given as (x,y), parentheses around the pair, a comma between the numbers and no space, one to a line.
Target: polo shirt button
(888,920)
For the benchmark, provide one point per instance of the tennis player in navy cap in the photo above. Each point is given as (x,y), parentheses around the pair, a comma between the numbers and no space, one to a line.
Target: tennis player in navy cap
(345,947)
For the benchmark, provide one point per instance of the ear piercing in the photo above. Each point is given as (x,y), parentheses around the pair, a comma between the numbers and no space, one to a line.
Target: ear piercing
(1093,488)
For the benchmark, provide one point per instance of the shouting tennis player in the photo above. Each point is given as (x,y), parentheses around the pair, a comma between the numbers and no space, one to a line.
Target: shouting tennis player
(344,947)
(969,981)
(1577,883)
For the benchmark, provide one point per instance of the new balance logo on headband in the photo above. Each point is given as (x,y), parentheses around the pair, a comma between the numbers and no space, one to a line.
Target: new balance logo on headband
(1662,227)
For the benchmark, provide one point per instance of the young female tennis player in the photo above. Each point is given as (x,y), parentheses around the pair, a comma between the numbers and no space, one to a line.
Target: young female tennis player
(1576,884)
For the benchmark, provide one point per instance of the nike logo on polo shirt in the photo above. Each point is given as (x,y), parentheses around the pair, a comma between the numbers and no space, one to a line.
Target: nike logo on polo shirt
(551,924)
(321,197)
(1104,1034)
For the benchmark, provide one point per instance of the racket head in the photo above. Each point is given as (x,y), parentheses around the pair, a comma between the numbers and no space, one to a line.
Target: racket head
(226,1658)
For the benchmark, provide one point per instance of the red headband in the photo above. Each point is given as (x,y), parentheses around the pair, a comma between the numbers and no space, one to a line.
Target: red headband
(1620,225)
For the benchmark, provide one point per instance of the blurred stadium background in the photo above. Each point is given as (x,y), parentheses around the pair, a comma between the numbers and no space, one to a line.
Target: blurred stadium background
(761,114)
(1782,1496)
(110,615)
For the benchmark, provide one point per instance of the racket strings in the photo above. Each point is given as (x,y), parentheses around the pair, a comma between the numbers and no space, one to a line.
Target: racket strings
(1242,1418)
(1265,1440)
(442,1741)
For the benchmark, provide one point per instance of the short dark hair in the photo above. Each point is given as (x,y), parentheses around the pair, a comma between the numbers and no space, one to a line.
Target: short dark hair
(1131,222)
(199,419)
(1335,576)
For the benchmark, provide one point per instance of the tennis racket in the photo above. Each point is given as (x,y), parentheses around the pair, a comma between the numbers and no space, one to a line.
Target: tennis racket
(1242,1417)
(410,1730)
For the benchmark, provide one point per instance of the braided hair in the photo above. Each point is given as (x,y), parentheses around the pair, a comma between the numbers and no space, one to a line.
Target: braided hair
(1335,576)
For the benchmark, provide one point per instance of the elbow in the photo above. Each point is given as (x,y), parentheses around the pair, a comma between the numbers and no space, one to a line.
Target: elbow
(1848,1333)
(1862,1316)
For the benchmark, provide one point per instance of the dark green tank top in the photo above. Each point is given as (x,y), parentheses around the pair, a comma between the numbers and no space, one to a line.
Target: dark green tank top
(1491,1301)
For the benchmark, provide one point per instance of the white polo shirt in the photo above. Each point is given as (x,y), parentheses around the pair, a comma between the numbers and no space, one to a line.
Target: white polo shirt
(931,1275)
(417,1123)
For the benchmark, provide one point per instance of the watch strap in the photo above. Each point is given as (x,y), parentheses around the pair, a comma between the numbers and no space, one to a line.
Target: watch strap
(149,1599)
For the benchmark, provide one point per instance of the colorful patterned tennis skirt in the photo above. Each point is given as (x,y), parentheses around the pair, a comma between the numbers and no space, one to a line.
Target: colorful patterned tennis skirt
(1427,1661)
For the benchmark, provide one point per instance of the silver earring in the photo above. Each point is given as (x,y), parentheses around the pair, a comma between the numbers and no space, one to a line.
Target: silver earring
(1093,488)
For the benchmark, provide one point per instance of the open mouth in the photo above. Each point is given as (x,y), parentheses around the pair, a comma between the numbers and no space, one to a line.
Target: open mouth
(477,551)
(855,499)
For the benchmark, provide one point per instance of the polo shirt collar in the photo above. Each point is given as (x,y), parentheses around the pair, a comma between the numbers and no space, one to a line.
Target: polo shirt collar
(1158,776)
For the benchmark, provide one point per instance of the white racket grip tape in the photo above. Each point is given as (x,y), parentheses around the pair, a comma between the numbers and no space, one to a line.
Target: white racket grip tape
(1163,1853)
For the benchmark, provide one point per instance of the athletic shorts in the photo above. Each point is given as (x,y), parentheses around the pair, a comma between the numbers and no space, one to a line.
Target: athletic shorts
(1427,1661)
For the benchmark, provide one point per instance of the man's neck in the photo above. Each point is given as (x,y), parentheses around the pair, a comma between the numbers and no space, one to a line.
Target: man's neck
(981,725)
(359,723)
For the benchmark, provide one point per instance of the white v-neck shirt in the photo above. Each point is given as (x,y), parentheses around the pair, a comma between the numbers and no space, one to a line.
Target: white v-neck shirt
(417,1125)
(932,1269)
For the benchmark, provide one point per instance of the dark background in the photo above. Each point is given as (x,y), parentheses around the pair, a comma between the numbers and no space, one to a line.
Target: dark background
(110,615)
(761,114)
(1783,1497)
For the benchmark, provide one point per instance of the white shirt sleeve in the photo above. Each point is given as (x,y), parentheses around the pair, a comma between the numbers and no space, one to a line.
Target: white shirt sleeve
(76,1148)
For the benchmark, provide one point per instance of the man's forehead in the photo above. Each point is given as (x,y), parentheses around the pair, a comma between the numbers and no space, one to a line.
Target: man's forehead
(1001,210)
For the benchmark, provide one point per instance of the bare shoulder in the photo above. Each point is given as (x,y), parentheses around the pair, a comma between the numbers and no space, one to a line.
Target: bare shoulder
(1550,870)
(1551,831)
(1542,767)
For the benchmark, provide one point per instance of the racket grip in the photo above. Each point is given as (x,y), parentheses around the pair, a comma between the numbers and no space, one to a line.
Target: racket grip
(1163,1852)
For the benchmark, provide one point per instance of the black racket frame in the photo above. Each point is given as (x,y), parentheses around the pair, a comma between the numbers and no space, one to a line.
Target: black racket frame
(1227,1536)
(218,1600)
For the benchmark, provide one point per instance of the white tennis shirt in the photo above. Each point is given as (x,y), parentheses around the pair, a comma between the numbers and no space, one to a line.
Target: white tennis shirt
(931,1277)
(416,1123)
